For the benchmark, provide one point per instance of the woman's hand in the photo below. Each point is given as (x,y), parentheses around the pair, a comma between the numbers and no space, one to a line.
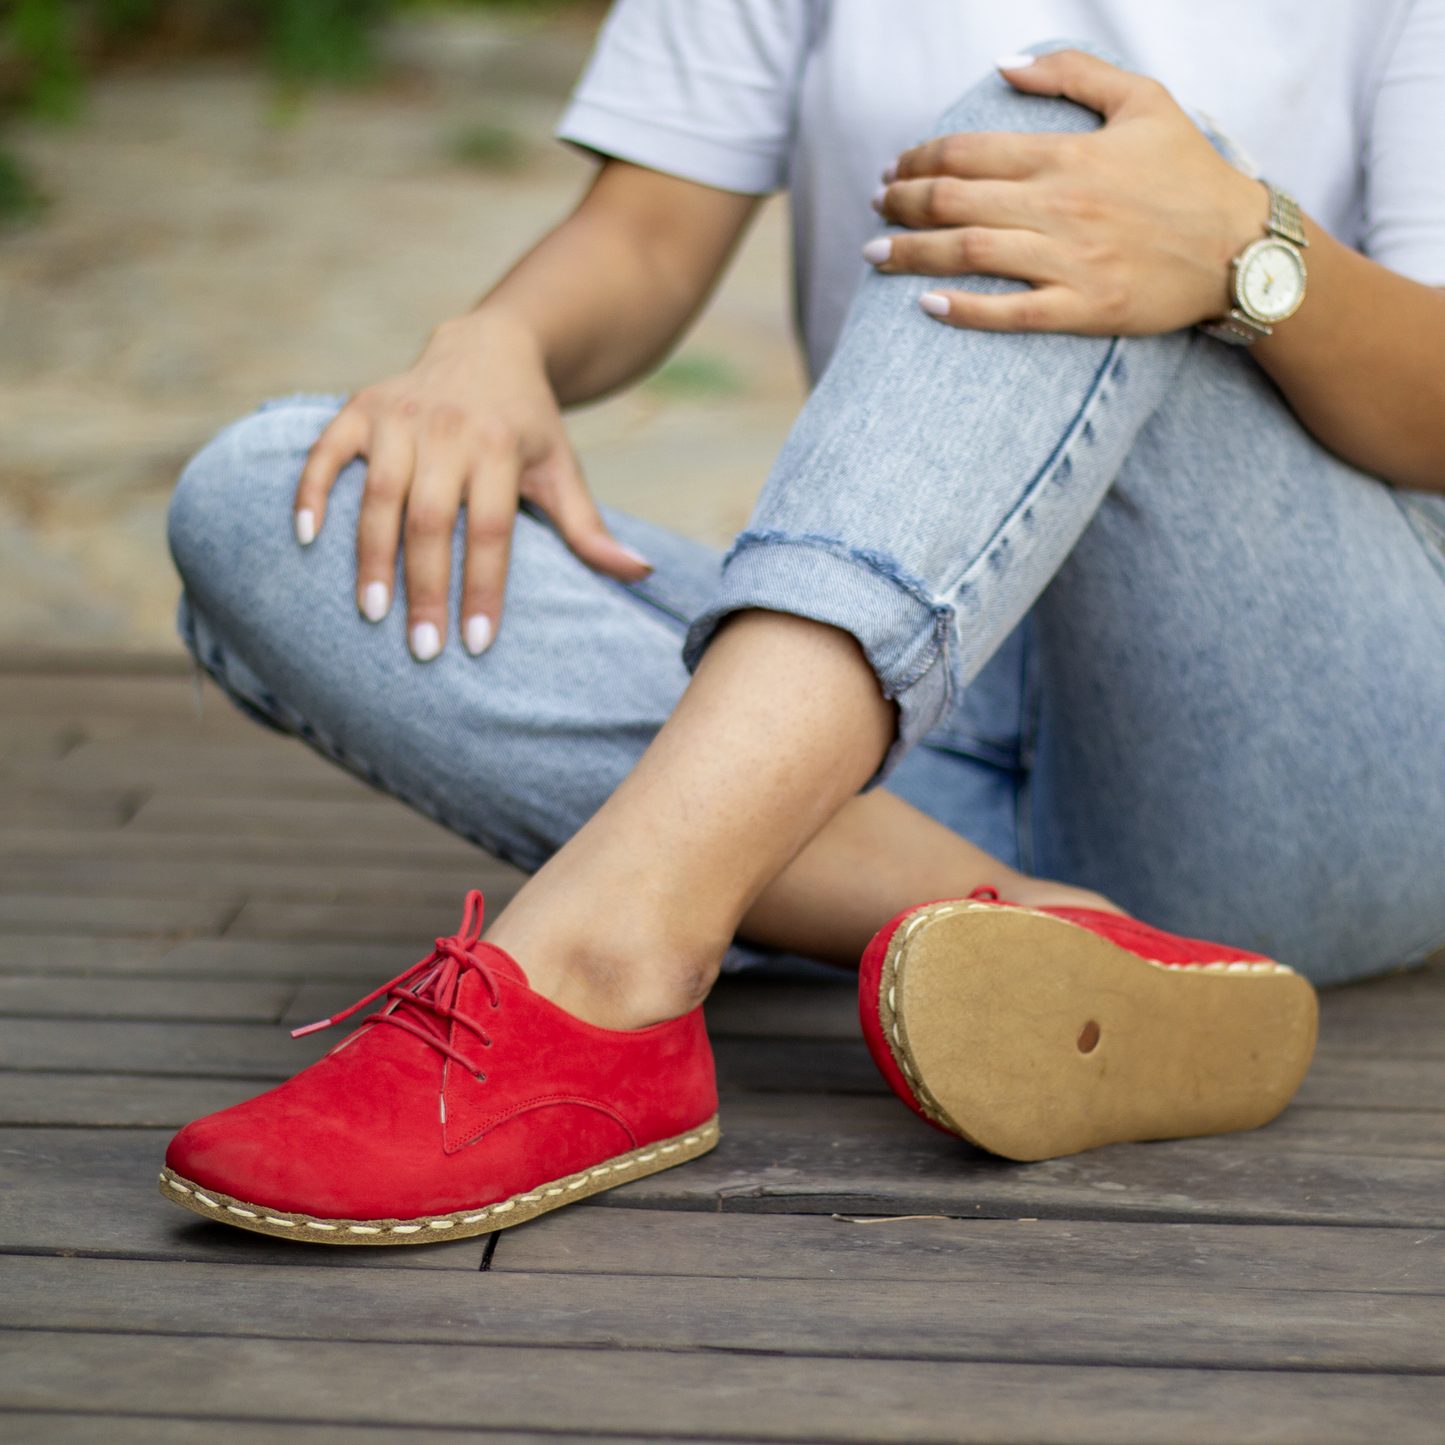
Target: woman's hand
(474,421)
(1128,230)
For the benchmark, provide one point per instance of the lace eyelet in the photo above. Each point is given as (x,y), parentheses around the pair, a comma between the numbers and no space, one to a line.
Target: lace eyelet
(480,1078)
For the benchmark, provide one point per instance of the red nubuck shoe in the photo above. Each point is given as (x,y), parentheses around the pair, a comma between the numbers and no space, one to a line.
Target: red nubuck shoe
(1035,1032)
(467,1104)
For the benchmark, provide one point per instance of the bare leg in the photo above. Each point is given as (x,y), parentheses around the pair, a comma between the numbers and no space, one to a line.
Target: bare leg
(779,729)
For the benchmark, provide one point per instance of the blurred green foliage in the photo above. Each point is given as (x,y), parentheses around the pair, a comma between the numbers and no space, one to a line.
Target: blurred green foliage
(697,376)
(18,198)
(46,46)
(492,146)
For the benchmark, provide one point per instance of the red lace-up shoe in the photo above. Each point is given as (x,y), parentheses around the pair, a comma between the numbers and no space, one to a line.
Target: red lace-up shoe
(466,1104)
(1035,1032)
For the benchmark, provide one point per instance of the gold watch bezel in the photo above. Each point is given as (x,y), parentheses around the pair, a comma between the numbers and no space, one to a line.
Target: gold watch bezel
(1243,260)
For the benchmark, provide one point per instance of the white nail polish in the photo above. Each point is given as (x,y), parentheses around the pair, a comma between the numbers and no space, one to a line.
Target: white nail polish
(934,302)
(878,250)
(890,173)
(426,641)
(375,601)
(477,634)
(1014,62)
(637,557)
(306,526)
(878,198)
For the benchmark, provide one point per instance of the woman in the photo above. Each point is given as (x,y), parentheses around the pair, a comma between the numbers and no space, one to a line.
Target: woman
(1100,598)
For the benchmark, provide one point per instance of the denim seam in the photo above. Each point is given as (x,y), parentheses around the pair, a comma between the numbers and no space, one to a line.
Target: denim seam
(881,566)
(1427,531)
(1053,465)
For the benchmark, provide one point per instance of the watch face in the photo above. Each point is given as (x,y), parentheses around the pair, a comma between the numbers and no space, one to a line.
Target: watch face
(1271,280)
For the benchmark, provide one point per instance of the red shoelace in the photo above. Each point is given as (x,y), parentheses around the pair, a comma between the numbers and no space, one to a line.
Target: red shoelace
(425,995)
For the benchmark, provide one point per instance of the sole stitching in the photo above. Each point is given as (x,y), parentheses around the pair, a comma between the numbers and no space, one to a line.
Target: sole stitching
(539,1200)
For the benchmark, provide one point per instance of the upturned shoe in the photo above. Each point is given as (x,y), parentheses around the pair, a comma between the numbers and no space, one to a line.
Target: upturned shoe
(1036,1032)
(467,1103)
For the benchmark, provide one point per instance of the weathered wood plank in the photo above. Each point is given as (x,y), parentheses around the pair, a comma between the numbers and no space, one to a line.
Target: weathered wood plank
(25,1427)
(69,953)
(277,882)
(1356,1083)
(244,1051)
(115,697)
(93,1192)
(81,813)
(739,1397)
(364,922)
(259,757)
(1079,1254)
(287,818)
(77,913)
(197,1000)
(443,851)
(796,1066)
(1022,1322)
(741,1008)
(124,1101)
(203,958)
(1242,1178)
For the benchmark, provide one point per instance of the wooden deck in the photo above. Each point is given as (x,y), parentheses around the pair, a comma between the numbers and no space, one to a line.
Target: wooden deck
(178,885)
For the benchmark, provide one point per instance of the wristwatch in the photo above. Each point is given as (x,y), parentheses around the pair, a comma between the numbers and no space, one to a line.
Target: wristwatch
(1268,277)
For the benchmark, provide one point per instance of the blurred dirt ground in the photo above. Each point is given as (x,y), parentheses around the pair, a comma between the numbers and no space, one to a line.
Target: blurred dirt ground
(209,244)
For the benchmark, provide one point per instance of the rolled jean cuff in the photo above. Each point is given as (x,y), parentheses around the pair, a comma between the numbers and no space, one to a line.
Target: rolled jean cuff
(902,632)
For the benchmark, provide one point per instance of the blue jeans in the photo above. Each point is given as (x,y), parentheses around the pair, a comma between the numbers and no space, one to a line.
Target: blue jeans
(1145,634)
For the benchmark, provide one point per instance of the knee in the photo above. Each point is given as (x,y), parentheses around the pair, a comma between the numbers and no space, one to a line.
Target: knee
(235,495)
(993,104)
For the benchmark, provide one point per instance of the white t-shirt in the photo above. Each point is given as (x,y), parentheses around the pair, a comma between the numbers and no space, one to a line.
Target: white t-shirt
(1340,102)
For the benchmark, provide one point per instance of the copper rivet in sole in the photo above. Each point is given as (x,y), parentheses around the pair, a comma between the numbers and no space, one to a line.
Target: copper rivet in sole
(1089,1037)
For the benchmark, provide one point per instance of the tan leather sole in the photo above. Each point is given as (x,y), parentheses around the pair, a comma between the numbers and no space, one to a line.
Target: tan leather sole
(433,1228)
(1033,1037)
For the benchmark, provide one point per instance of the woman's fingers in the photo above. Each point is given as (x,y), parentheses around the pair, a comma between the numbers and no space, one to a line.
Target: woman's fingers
(1084,78)
(345,438)
(975,155)
(443,466)
(559,489)
(967,251)
(388,477)
(1046,308)
(947,201)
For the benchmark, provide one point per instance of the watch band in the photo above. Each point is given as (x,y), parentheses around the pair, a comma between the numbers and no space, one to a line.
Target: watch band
(1284,217)
(1235,327)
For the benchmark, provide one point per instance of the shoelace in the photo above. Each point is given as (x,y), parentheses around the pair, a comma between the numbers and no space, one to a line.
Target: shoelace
(427,992)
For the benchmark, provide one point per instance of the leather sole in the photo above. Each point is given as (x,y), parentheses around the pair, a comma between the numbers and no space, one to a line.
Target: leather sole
(433,1228)
(1033,1037)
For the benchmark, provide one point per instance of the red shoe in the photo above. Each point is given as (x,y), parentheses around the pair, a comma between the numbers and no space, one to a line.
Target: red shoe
(1035,1032)
(467,1104)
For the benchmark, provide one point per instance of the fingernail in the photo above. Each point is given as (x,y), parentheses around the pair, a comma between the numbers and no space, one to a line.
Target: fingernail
(878,250)
(878,198)
(890,173)
(375,601)
(306,526)
(638,558)
(1014,62)
(476,634)
(934,302)
(426,641)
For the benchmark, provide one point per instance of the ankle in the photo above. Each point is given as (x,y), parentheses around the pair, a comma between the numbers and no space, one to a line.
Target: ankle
(614,982)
